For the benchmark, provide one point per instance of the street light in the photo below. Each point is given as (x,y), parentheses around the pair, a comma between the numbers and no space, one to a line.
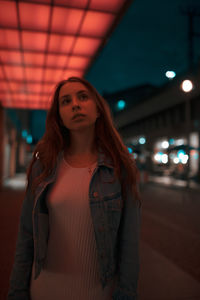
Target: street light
(142,140)
(121,104)
(187,86)
(165,144)
(170,74)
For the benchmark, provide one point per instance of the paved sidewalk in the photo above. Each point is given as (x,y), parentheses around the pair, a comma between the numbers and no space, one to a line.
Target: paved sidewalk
(172,182)
(171,225)
(19,182)
(160,279)
(10,208)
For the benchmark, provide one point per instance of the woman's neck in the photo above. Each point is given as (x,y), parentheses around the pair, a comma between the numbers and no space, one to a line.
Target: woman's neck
(81,159)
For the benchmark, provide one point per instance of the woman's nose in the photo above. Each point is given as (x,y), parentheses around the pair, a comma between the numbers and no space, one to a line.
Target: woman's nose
(74,100)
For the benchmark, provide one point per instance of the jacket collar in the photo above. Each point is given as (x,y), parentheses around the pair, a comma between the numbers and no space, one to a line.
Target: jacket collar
(102,160)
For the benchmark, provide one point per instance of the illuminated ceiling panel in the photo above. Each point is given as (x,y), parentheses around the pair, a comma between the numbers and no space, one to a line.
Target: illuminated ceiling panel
(34,74)
(86,46)
(13,72)
(4,86)
(16,86)
(8,16)
(78,62)
(44,41)
(60,44)
(105,5)
(35,59)
(34,41)
(9,39)
(98,29)
(57,61)
(66,21)
(11,57)
(74,3)
(34,87)
(34,16)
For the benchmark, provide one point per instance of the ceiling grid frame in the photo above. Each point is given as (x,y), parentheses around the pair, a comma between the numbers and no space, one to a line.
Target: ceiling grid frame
(46,51)
(21,50)
(33,53)
(76,35)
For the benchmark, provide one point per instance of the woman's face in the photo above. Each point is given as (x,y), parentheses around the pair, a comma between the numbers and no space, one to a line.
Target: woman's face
(74,97)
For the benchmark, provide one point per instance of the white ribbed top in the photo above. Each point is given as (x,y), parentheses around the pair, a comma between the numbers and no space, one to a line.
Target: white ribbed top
(71,271)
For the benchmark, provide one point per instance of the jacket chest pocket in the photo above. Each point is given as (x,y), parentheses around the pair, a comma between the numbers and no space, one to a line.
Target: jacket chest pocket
(113,210)
(43,233)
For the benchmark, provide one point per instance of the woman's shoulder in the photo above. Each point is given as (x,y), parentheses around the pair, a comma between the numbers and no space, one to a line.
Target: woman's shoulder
(36,167)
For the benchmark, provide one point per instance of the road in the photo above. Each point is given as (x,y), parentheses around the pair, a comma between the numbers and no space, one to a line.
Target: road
(170,243)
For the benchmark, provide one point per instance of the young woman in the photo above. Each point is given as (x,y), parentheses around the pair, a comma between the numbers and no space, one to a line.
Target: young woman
(79,227)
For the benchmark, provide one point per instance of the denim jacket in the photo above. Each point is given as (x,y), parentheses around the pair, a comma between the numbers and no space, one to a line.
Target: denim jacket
(116,226)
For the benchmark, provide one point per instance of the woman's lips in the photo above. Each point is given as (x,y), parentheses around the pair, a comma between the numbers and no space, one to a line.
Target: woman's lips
(79,116)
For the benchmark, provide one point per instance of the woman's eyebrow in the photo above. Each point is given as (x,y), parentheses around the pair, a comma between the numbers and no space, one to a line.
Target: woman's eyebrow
(79,92)
(82,91)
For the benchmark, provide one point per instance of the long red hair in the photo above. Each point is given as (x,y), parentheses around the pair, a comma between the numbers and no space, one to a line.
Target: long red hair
(56,138)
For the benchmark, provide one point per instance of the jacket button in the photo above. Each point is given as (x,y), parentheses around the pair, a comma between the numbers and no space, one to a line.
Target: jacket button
(95,194)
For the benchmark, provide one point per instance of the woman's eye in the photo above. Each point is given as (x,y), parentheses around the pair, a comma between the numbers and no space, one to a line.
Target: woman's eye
(65,101)
(84,96)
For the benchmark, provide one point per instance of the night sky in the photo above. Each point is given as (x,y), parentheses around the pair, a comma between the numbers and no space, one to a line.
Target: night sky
(151,38)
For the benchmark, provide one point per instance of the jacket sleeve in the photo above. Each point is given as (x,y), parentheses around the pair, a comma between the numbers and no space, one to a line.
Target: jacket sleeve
(24,254)
(129,232)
